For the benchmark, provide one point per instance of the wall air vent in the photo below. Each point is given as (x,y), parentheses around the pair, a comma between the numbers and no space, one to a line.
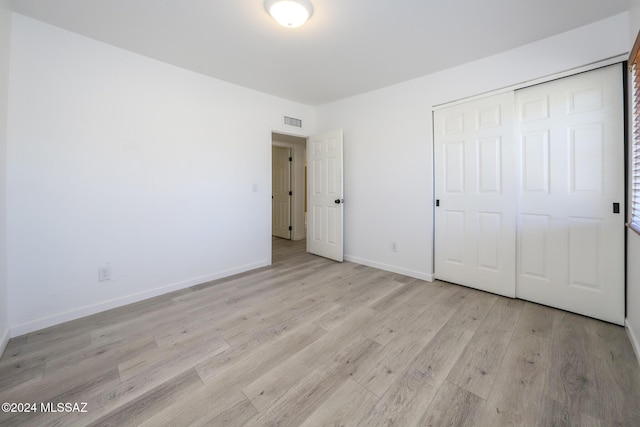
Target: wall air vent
(291,121)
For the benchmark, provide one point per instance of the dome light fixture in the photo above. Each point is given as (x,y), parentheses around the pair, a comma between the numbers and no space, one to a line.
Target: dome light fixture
(289,13)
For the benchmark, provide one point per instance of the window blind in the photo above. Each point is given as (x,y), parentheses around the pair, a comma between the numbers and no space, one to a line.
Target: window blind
(634,152)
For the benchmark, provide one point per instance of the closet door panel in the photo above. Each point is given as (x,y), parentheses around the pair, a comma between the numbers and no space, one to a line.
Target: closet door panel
(475,189)
(571,170)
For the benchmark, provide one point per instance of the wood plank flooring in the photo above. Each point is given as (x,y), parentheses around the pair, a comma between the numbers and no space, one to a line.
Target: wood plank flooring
(310,342)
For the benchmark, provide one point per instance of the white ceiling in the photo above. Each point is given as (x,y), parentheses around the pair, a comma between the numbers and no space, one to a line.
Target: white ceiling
(348,47)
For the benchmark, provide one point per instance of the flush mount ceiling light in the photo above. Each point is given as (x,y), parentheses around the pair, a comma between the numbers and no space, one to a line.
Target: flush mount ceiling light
(289,13)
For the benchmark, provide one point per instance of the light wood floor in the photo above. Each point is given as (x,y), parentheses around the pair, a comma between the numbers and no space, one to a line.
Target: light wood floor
(311,342)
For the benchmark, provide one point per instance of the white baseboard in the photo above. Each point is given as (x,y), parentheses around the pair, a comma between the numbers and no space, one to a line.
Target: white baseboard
(88,310)
(4,340)
(392,268)
(635,342)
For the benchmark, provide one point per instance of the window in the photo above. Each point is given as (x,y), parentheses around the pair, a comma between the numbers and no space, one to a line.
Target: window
(634,152)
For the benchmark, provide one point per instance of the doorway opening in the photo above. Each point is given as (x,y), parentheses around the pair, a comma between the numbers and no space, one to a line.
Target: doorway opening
(289,204)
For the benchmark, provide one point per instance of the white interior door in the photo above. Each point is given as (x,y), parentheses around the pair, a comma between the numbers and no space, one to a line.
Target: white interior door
(475,193)
(281,192)
(571,172)
(325,195)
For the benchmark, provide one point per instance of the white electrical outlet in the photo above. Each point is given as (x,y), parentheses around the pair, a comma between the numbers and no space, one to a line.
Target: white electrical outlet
(394,247)
(104,273)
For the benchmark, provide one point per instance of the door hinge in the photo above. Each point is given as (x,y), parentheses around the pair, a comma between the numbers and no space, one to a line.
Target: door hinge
(290,228)
(616,208)
(291,193)
(437,202)
(290,159)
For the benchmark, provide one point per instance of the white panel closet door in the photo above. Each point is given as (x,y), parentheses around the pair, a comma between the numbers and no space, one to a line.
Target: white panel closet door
(571,172)
(475,189)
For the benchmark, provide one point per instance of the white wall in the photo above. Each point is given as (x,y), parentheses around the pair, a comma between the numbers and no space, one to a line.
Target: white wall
(120,160)
(5,33)
(388,141)
(117,158)
(633,240)
(634,21)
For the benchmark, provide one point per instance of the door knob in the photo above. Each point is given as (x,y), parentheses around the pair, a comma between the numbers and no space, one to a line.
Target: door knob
(338,201)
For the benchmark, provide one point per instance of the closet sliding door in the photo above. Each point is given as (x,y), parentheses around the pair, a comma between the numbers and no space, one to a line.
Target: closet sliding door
(529,189)
(570,135)
(475,192)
